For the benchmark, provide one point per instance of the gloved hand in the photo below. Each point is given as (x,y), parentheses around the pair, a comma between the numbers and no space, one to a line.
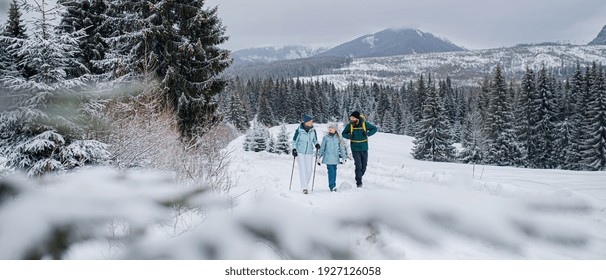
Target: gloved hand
(317,146)
(294,153)
(319,164)
(340,162)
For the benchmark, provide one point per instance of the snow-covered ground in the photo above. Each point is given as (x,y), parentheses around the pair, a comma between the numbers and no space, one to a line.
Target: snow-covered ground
(407,209)
(427,210)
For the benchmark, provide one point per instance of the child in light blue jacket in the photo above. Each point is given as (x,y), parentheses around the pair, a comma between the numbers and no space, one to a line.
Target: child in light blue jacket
(332,152)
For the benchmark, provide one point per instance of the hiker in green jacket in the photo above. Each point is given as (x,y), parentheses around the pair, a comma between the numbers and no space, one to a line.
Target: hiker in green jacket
(358,132)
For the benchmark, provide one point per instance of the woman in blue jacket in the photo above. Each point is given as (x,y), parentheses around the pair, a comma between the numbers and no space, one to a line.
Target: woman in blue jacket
(331,152)
(304,142)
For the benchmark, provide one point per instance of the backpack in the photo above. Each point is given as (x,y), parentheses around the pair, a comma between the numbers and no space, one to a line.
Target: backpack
(351,129)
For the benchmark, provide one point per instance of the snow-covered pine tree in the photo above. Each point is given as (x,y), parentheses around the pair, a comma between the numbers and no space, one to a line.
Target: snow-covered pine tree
(484,101)
(11,41)
(522,114)
(570,157)
(318,101)
(193,58)
(15,27)
(502,147)
(279,100)
(291,103)
(265,115)
(397,116)
(325,107)
(472,138)
(49,55)
(133,52)
(355,96)
(461,112)
(271,146)
(382,108)
(417,102)
(389,125)
(175,42)
(367,101)
(236,113)
(566,150)
(261,137)
(248,140)
(541,123)
(593,148)
(283,141)
(432,141)
(4,57)
(335,102)
(446,93)
(87,16)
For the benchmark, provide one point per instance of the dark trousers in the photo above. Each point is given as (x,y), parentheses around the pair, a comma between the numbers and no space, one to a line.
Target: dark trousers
(361,160)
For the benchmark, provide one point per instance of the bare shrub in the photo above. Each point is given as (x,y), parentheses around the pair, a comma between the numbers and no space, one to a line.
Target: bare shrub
(143,134)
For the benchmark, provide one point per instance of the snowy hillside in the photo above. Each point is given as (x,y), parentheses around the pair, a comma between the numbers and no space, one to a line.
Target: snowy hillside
(270,54)
(390,42)
(408,209)
(425,210)
(465,67)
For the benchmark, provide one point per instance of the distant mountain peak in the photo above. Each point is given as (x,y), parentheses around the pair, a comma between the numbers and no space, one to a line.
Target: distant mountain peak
(600,39)
(393,41)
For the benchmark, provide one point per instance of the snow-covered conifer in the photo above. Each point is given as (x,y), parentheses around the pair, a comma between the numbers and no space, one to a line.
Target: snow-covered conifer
(283,141)
(432,141)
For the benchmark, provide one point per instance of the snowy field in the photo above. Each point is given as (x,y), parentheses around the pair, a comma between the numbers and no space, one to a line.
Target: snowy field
(407,209)
(426,210)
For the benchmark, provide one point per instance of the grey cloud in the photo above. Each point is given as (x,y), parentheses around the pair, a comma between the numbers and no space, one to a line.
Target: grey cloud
(471,23)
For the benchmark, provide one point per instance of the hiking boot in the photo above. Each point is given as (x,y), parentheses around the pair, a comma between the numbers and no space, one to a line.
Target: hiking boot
(334,190)
(359,185)
(305,191)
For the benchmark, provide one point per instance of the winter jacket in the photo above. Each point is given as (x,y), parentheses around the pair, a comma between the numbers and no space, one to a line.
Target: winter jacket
(357,136)
(331,149)
(304,141)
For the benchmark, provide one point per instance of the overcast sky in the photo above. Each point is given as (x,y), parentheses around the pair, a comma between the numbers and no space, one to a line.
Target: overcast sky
(473,24)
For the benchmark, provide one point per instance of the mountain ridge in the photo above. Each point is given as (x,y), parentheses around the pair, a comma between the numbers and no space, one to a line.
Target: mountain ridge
(388,42)
(600,39)
(391,42)
(274,53)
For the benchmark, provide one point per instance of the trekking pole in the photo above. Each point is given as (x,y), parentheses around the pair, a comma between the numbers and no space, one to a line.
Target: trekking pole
(314,178)
(292,172)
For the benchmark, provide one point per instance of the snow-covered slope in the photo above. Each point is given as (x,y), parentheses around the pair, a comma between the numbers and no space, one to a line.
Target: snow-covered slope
(464,67)
(408,209)
(390,42)
(270,54)
(426,210)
